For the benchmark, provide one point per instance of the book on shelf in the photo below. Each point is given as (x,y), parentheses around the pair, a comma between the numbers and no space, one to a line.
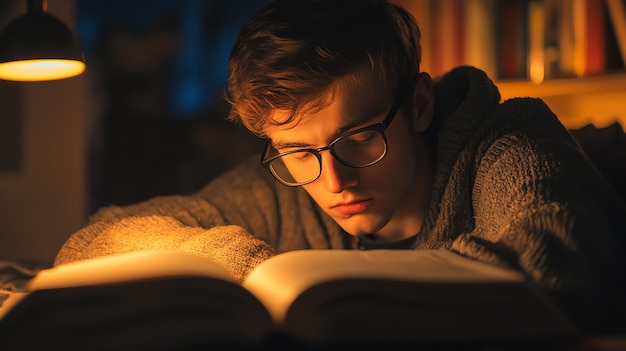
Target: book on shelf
(536,41)
(617,14)
(595,37)
(448,31)
(479,20)
(523,39)
(574,38)
(312,296)
(454,33)
(511,40)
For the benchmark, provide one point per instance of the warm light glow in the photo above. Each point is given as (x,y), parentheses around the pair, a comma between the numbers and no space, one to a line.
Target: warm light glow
(536,15)
(580,37)
(39,70)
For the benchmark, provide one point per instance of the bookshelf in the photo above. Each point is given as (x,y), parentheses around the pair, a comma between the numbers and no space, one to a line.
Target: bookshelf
(598,100)
(570,53)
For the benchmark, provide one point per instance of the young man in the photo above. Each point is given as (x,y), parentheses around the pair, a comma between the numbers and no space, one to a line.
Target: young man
(364,151)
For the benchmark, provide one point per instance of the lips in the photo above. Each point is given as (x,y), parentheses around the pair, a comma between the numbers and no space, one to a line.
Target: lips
(351,208)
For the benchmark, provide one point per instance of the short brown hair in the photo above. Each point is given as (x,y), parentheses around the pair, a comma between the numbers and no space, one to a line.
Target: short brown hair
(292,51)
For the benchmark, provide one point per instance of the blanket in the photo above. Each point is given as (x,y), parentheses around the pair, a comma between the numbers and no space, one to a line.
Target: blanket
(15,274)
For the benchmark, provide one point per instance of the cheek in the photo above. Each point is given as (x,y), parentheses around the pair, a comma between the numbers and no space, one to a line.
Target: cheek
(402,149)
(394,171)
(316,191)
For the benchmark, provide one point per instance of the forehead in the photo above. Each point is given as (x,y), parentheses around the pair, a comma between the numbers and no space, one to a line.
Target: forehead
(344,104)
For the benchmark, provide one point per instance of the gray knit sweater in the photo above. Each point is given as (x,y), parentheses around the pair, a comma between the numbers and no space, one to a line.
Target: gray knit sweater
(511,187)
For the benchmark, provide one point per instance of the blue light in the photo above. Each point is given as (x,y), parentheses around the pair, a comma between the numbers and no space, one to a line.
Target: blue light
(206,31)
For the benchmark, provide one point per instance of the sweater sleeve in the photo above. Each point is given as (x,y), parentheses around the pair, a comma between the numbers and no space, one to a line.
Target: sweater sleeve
(229,245)
(208,223)
(541,207)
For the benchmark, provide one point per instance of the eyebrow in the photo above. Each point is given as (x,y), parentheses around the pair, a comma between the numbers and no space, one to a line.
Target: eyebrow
(372,114)
(279,145)
(366,118)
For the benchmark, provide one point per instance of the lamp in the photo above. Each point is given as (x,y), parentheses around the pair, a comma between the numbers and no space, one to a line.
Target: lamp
(37,46)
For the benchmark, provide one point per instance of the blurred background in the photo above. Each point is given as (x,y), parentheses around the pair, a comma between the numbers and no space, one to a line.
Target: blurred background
(147,118)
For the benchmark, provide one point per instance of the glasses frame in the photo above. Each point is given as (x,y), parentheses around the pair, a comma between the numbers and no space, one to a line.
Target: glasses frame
(379,127)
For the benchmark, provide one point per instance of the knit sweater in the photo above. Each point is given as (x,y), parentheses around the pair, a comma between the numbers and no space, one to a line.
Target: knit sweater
(512,188)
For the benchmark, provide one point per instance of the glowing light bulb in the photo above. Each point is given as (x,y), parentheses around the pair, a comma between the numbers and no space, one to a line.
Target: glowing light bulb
(40,69)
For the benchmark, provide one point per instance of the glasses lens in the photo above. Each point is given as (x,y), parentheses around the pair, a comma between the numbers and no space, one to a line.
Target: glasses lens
(361,149)
(296,168)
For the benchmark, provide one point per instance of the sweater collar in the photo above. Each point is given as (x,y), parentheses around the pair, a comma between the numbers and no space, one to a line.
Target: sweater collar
(464,98)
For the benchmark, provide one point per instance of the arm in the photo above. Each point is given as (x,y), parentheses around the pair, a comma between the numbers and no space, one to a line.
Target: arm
(207,224)
(541,207)
(244,207)
(229,245)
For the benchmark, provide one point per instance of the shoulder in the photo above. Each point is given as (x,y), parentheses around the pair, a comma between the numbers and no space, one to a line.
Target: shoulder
(524,143)
(526,125)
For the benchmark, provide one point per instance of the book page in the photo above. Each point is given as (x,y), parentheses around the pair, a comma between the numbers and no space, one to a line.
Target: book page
(434,295)
(281,279)
(145,297)
(140,265)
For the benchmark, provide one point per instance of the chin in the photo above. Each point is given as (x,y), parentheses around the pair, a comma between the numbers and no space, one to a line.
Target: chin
(360,225)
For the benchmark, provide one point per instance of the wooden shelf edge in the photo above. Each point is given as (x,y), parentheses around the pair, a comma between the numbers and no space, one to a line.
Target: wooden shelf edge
(615,82)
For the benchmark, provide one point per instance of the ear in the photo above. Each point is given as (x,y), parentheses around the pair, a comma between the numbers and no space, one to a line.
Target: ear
(423,102)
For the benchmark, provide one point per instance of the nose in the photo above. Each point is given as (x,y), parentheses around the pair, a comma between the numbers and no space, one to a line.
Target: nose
(337,176)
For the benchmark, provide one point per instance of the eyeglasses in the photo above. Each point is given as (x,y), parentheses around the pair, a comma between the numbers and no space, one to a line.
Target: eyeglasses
(359,148)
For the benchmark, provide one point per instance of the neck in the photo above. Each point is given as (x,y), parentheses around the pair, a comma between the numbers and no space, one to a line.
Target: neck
(408,219)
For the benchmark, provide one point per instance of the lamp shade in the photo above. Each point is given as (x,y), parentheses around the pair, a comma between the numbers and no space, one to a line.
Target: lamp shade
(38,46)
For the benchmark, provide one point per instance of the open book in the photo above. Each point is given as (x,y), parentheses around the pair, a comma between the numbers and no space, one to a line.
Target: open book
(313,296)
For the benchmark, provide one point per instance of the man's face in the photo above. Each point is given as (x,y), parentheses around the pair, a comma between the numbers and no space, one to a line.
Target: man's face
(380,199)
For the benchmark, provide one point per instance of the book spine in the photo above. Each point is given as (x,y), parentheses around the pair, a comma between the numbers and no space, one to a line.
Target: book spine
(511,40)
(448,45)
(617,14)
(479,35)
(566,38)
(595,38)
(536,28)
